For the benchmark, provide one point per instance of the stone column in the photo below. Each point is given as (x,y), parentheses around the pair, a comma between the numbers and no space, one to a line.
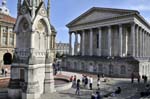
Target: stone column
(109,41)
(91,42)
(99,38)
(133,38)
(76,44)
(120,40)
(137,40)
(70,44)
(83,43)
(143,41)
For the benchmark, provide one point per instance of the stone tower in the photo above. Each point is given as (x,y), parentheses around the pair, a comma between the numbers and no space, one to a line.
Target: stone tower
(31,71)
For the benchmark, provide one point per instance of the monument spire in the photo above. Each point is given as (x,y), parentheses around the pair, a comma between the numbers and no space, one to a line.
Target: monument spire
(33,9)
(48,9)
(18,7)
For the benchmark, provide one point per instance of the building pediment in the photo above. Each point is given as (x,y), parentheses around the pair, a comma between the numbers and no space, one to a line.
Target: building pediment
(96,13)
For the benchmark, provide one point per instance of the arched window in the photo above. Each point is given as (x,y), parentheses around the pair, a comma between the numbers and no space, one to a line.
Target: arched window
(123,70)
(75,65)
(82,66)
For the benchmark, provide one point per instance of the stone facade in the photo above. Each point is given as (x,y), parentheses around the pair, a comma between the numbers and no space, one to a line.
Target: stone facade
(62,48)
(111,34)
(31,70)
(7,36)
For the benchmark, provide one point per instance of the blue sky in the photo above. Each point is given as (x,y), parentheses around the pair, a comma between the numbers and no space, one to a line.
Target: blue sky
(64,11)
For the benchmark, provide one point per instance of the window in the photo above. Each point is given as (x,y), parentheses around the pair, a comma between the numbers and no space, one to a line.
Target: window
(11,40)
(100,68)
(4,39)
(123,70)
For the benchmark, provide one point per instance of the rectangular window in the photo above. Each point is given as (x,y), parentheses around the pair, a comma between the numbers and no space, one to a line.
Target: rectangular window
(4,39)
(11,40)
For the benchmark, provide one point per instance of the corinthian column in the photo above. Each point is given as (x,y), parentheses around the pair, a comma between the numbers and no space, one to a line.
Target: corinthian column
(91,42)
(70,44)
(120,40)
(76,44)
(137,41)
(83,43)
(109,41)
(99,39)
(133,38)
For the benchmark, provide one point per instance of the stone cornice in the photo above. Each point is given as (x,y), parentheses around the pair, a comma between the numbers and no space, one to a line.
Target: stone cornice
(111,21)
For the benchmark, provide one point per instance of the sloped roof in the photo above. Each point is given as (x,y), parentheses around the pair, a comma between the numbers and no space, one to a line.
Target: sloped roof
(7,18)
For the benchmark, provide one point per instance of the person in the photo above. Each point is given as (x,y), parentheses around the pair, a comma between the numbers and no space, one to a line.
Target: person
(98,96)
(90,82)
(2,71)
(78,87)
(118,91)
(86,81)
(98,76)
(138,78)
(71,78)
(74,80)
(132,78)
(83,79)
(98,84)
(6,70)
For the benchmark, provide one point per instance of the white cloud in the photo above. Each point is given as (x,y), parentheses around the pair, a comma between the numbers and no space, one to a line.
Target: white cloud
(141,7)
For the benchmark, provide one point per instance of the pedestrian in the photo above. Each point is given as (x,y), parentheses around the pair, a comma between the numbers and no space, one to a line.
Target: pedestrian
(118,91)
(90,82)
(71,78)
(74,80)
(78,87)
(83,79)
(2,71)
(98,84)
(98,96)
(145,79)
(6,70)
(138,78)
(98,76)
(132,78)
(86,81)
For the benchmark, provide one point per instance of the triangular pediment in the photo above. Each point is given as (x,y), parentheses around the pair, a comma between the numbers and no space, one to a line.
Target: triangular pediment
(95,14)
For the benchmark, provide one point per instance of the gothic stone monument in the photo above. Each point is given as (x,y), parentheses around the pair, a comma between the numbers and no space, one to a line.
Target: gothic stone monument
(31,71)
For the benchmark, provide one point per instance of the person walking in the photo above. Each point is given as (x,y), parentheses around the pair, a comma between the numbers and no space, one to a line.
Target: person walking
(132,78)
(86,81)
(98,84)
(138,78)
(78,87)
(90,82)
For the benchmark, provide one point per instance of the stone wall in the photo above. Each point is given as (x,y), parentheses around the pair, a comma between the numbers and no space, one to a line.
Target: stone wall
(110,67)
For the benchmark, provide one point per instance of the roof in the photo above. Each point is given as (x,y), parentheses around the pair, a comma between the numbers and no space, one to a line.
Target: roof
(7,18)
(125,11)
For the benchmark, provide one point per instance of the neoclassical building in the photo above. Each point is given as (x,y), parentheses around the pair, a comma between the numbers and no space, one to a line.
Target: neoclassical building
(112,41)
(7,36)
(62,48)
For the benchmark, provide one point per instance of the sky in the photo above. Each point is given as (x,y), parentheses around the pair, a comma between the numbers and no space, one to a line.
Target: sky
(64,11)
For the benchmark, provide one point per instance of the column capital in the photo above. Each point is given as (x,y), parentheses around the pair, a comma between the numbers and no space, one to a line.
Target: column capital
(133,23)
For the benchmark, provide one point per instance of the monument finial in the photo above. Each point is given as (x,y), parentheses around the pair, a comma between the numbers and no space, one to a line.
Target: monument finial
(18,7)
(4,3)
(48,8)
